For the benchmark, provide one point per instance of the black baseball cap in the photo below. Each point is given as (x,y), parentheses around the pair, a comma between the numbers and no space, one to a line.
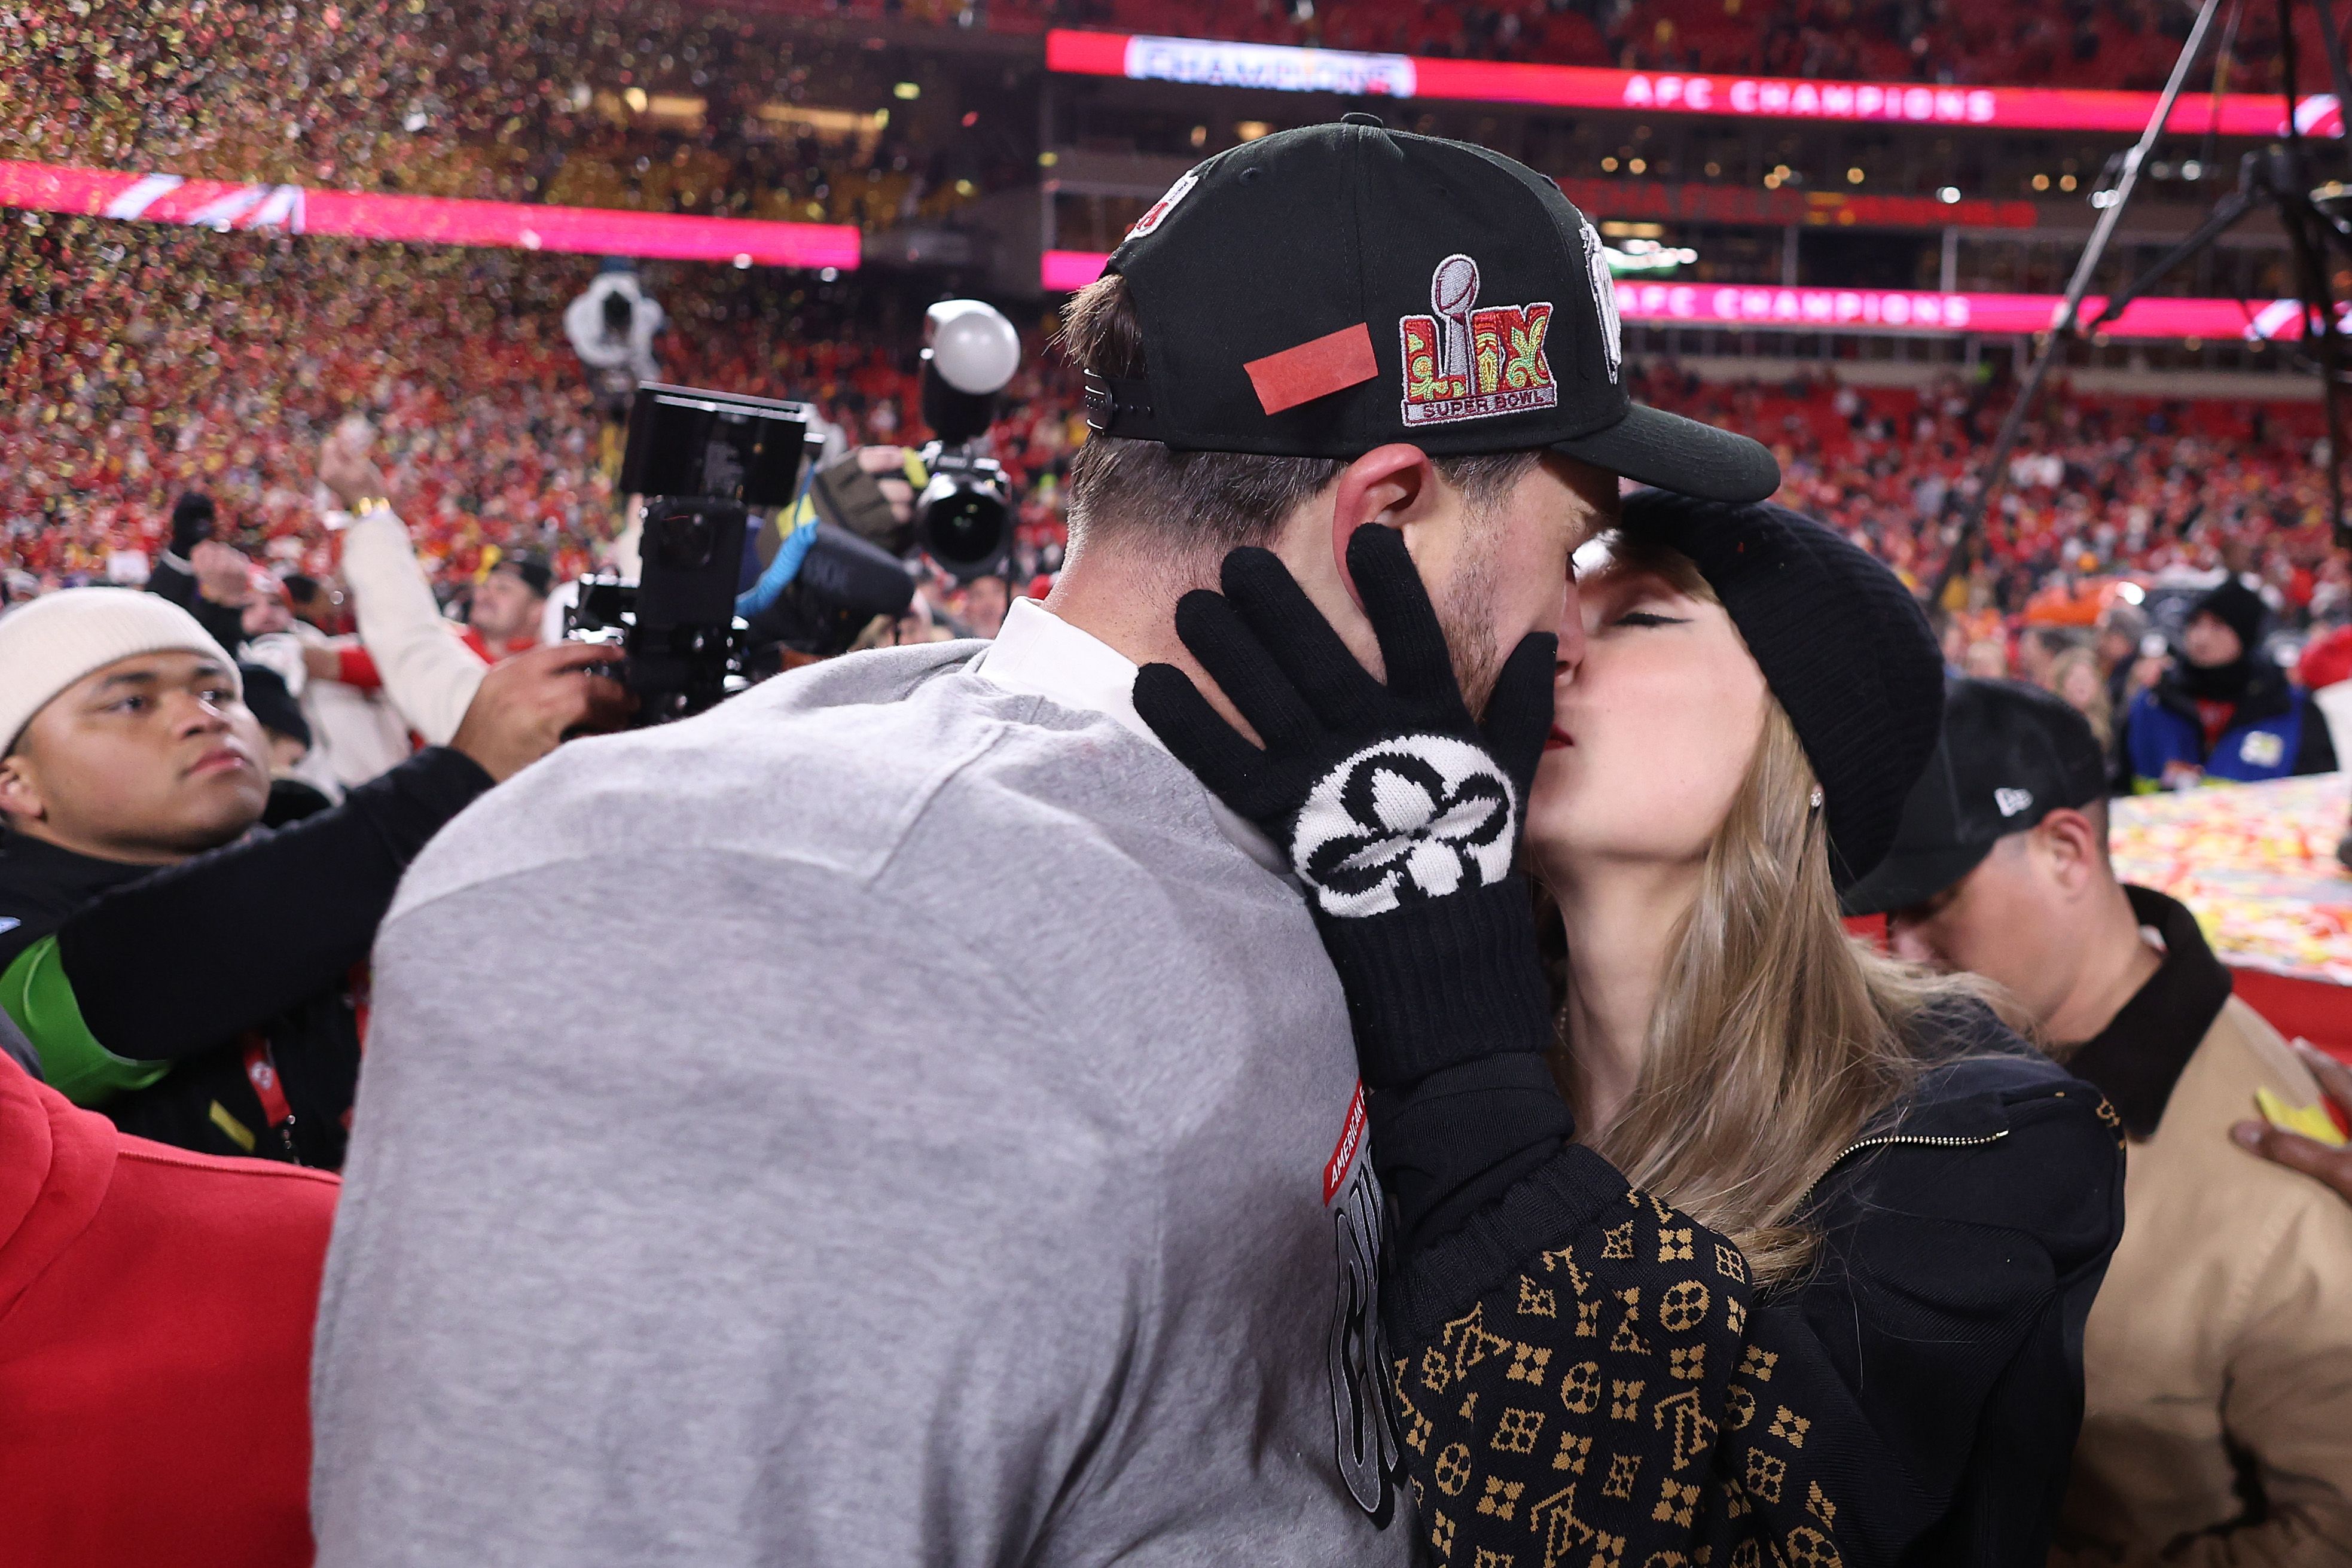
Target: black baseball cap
(2010,755)
(1322,291)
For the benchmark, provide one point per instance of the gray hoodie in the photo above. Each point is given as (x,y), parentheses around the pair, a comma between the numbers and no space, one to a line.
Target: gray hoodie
(883,1120)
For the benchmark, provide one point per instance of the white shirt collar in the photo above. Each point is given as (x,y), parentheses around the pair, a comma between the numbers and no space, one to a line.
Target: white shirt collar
(1039,653)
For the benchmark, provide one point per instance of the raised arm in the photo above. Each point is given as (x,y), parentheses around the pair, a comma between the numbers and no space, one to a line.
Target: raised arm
(428,674)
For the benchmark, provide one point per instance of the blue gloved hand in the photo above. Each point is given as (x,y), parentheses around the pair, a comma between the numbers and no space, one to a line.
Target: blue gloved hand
(780,570)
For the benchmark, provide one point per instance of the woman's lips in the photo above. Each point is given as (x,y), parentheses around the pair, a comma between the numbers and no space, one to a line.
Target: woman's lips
(1558,739)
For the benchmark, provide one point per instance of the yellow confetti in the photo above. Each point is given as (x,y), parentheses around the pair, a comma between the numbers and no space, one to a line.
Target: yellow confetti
(2312,1121)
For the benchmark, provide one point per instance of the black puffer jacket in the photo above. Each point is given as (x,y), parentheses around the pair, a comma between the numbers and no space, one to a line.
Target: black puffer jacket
(1582,1369)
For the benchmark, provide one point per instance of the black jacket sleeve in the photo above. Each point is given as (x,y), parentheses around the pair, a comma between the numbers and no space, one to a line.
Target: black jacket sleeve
(2317,751)
(176,962)
(172,581)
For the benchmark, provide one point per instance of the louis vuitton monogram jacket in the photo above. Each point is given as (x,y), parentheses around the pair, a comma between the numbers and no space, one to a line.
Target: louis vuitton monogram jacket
(1586,1378)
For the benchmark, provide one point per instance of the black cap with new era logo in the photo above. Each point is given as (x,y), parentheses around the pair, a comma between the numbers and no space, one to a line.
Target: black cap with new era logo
(2010,754)
(1322,291)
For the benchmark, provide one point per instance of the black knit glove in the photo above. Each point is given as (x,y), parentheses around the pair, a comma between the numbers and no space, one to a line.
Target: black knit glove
(193,520)
(1400,811)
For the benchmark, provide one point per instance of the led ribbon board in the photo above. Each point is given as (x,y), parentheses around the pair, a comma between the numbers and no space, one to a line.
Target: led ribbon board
(1871,309)
(431,220)
(1285,68)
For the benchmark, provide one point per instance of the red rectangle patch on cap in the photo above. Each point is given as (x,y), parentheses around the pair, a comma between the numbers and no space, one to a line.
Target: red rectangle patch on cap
(1317,368)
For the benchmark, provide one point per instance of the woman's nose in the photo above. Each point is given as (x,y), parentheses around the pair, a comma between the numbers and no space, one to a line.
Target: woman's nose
(1571,633)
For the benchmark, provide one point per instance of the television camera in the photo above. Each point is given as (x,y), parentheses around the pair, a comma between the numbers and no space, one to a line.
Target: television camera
(702,460)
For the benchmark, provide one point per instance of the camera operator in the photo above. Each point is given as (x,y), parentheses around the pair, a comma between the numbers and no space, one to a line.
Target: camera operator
(194,981)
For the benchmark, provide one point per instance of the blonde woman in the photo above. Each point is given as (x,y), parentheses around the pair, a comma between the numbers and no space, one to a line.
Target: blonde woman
(1757,1247)
(2075,675)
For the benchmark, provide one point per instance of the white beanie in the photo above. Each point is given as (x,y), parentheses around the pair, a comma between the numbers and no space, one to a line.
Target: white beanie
(47,645)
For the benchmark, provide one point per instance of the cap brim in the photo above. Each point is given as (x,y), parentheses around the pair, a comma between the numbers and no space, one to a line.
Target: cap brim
(1908,878)
(1655,448)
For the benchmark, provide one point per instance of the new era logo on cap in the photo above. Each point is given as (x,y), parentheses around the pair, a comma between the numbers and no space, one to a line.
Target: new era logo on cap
(2012,801)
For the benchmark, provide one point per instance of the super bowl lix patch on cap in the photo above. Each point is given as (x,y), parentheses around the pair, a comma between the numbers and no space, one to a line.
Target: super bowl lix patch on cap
(1464,363)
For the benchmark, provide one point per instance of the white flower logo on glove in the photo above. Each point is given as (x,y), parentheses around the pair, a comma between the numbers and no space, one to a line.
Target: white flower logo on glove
(1410,818)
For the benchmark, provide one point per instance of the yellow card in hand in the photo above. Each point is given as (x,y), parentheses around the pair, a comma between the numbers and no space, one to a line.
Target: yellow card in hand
(2312,1121)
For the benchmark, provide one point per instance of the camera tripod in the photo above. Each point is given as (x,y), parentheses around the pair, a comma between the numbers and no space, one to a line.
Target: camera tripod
(2277,178)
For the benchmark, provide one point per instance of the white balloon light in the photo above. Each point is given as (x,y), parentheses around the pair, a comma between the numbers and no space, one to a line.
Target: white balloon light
(974,347)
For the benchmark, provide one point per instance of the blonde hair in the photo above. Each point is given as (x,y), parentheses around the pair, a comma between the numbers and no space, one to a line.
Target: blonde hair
(2100,713)
(1776,1037)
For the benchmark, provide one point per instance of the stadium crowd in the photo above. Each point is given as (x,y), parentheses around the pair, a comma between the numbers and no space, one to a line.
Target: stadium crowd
(519,101)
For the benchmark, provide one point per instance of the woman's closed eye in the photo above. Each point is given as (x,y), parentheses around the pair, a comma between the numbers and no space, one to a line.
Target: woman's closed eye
(1649,618)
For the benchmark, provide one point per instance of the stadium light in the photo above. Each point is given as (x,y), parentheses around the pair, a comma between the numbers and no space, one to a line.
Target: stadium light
(1949,195)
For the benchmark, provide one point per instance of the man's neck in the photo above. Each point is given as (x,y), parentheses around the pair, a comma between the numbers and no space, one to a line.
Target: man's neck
(1129,603)
(2116,961)
(1621,924)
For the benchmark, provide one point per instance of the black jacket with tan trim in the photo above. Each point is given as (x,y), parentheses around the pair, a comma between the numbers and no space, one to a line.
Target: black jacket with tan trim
(1586,1376)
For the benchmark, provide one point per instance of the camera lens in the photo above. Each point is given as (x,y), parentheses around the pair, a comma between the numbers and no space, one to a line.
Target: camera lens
(964,529)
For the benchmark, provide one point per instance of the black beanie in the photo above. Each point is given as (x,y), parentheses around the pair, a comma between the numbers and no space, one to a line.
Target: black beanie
(1843,645)
(2237,607)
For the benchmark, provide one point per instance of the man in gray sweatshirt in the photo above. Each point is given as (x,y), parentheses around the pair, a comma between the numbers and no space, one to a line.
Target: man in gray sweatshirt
(900,1117)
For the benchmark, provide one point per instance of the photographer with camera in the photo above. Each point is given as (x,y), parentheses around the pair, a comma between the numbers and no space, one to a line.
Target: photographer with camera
(196,980)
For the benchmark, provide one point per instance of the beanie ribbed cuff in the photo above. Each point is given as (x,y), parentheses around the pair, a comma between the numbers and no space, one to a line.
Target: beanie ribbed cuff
(1443,982)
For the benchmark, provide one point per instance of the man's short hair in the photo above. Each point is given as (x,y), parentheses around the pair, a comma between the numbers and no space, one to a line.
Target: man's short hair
(1205,500)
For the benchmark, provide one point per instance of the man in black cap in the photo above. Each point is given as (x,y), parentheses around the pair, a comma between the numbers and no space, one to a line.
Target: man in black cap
(1098,1280)
(2217,1365)
(2224,713)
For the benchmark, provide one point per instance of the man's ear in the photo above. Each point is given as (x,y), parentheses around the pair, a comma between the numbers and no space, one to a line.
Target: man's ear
(1391,486)
(2070,847)
(20,790)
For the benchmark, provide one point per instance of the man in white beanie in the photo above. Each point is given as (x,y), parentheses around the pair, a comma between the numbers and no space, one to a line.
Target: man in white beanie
(192,978)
